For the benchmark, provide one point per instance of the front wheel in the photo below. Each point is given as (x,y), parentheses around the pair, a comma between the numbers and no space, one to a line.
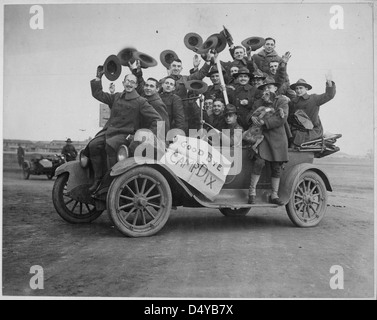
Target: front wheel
(308,205)
(71,210)
(228,212)
(139,202)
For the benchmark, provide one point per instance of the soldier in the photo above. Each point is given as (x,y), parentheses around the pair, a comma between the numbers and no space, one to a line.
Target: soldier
(191,109)
(69,151)
(215,91)
(20,155)
(151,93)
(231,124)
(263,58)
(173,104)
(274,147)
(128,110)
(243,96)
(310,105)
(216,118)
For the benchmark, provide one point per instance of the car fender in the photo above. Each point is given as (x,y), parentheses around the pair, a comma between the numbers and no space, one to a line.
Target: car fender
(130,163)
(78,176)
(290,178)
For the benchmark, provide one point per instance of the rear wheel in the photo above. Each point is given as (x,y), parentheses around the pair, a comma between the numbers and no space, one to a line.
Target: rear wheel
(139,202)
(308,205)
(69,209)
(229,212)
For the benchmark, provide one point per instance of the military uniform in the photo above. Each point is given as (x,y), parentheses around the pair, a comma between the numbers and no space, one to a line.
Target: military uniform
(310,105)
(129,112)
(175,110)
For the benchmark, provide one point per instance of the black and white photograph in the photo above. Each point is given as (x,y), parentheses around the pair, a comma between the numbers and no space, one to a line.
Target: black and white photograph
(188,150)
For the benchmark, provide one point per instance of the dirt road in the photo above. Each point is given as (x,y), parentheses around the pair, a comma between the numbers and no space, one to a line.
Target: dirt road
(199,253)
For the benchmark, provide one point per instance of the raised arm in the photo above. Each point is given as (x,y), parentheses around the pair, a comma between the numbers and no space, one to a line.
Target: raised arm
(97,90)
(329,93)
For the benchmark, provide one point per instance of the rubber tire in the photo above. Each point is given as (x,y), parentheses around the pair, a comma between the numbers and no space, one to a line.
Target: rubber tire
(64,211)
(228,212)
(113,197)
(297,217)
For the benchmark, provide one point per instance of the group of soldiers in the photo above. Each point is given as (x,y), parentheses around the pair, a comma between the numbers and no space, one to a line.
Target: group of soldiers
(255,96)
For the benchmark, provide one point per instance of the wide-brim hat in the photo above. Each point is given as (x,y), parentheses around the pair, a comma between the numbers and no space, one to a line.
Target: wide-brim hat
(207,45)
(112,67)
(68,140)
(242,70)
(126,55)
(193,41)
(214,69)
(146,60)
(167,57)
(300,82)
(229,108)
(254,42)
(221,42)
(196,86)
(268,82)
(258,75)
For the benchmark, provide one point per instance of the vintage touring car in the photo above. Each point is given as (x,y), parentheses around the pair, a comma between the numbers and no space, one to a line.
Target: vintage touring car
(139,194)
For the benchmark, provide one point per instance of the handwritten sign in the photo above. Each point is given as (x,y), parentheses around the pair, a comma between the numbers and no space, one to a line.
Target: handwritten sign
(197,163)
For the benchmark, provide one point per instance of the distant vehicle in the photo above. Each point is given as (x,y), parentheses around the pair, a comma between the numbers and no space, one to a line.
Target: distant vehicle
(42,165)
(139,196)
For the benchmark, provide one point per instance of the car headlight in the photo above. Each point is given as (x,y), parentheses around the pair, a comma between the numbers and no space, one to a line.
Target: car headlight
(123,152)
(84,160)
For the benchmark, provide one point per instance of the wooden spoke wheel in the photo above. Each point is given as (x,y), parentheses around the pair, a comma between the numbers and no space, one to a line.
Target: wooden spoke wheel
(308,204)
(139,202)
(69,209)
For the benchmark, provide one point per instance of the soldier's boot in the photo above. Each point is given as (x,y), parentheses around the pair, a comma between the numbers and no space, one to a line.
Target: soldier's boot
(253,188)
(275,188)
(98,173)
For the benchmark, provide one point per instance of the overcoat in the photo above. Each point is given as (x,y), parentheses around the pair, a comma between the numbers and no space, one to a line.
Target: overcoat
(274,146)
(310,104)
(127,110)
(190,107)
(262,59)
(243,92)
(156,102)
(175,110)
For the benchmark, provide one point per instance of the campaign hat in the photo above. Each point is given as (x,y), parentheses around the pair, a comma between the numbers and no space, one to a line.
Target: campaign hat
(268,82)
(214,69)
(229,108)
(209,44)
(300,82)
(112,67)
(242,70)
(196,86)
(126,55)
(146,60)
(193,41)
(167,57)
(254,42)
(221,42)
(258,75)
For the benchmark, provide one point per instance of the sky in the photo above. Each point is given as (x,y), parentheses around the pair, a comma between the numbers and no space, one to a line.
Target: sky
(46,72)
